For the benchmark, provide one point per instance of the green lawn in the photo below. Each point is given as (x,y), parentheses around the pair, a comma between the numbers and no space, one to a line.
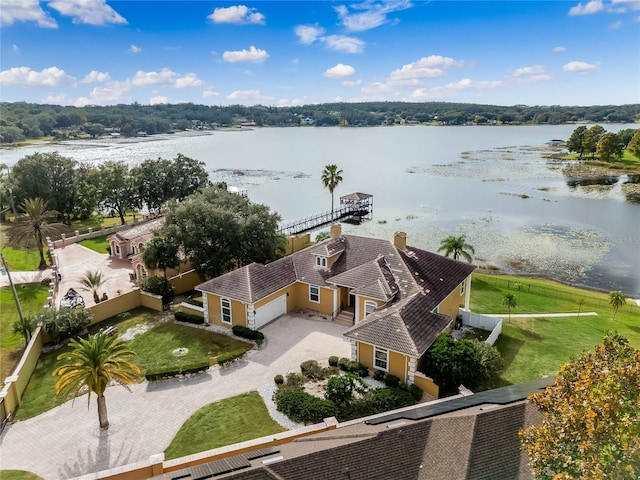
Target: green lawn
(154,349)
(535,347)
(18,475)
(22,259)
(32,298)
(98,244)
(229,421)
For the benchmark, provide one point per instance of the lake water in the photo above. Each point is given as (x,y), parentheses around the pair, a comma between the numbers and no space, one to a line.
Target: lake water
(429,182)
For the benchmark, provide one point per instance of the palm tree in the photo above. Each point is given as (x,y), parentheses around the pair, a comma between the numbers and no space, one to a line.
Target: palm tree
(510,301)
(92,281)
(24,326)
(331,177)
(458,246)
(92,365)
(34,226)
(617,299)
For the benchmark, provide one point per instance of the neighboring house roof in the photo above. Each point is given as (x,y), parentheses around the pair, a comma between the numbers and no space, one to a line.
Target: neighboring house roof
(477,442)
(144,230)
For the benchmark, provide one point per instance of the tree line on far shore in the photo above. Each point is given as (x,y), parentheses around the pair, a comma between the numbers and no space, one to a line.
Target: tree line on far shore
(21,120)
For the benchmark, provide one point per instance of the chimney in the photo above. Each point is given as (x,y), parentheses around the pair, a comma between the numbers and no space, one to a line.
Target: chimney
(336,230)
(400,240)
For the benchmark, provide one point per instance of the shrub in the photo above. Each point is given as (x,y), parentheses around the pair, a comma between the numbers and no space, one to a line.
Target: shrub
(295,380)
(187,317)
(311,369)
(193,301)
(415,391)
(343,364)
(245,332)
(278,379)
(379,375)
(357,367)
(229,357)
(391,381)
(376,401)
(152,374)
(333,361)
(158,286)
(302,407)
(340,389)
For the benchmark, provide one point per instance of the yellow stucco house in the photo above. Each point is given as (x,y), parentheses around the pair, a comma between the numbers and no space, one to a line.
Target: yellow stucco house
(397,298)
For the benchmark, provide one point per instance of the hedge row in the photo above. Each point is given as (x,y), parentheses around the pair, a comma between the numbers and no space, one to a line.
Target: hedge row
(186,317)
(303,407)
(245,332)
(347,365)
(229,357)
(193,301)
(153,374)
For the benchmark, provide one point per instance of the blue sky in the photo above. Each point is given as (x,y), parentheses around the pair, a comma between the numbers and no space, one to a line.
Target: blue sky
(105,52)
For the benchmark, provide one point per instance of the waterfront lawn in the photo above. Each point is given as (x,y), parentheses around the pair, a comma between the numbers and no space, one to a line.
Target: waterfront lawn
(32,298)
(229,421)
(536,347)
(97,244)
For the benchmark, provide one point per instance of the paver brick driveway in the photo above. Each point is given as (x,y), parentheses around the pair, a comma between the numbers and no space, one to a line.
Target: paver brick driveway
(66,442)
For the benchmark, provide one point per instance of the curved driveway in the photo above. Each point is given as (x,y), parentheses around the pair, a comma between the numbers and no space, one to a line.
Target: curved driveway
(66,442)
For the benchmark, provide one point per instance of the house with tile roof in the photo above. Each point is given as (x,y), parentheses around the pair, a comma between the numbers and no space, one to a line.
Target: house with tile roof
(129,244)
(396,298)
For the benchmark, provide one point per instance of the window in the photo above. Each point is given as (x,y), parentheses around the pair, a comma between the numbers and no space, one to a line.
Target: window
(225,306)
(462,287)
(321,262)
(117,249)
(143,271)
(381,359)
(314,293)
(369,307)
(133,249)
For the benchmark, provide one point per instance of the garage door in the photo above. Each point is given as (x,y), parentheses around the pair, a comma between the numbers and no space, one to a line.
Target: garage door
(271,311)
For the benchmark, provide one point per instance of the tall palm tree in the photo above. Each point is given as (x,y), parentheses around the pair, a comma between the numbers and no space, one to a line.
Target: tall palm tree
(617,299)
(92,365)
(457,246)
(331,177)
(92,281)
(24,326)
(33,226)
(510,301)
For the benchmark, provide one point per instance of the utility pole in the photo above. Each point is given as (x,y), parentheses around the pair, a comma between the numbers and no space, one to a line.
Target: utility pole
(5,270)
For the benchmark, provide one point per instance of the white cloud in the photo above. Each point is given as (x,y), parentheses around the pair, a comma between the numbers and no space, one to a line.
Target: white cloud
(467,84)
(160,100)
(285,102)
(25,11)
(528,71)
(58,99)
(109,94)
(615,25)
(210,92)
(589,8)
(91,12)
(623,5)
(238,14)
(427,67)
(95,76)
(166,77)
(340,71)
(559,49)
(135,49)
(50,77)
(343,43)
(252,55)
(369,14)
(581,67)
(249,96)
(307,34)
(352,83)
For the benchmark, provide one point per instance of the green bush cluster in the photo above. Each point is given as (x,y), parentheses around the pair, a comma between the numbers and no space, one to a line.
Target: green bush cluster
(379,375)
(347,365)
(245,332)
(187,317)
(278,379)
(153,374)
(333,361)
(193,301)
(391,380)
(376,401)
(302,407)
(229,357)
(311,369)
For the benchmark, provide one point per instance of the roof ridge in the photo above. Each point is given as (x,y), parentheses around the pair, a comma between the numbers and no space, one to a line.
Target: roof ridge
(249,282)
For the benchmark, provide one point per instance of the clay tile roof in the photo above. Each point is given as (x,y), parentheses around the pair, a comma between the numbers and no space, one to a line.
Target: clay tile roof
(373,279)
(145,230)
(405,327)
(252,282)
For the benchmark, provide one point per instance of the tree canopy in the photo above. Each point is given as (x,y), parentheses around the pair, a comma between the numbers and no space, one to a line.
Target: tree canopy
(591,417)
(457,246)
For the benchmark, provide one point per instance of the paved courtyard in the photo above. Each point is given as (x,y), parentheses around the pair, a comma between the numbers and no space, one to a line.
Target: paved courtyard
(66,442)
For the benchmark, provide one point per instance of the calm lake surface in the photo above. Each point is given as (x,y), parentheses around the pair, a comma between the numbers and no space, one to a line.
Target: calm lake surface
(429,182)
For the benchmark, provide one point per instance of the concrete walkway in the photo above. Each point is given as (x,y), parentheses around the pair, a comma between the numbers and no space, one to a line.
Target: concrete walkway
(66,442)
(18,278)
(538,315)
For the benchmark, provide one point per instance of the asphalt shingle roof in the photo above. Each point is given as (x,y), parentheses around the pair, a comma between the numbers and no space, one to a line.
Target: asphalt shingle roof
(145,229)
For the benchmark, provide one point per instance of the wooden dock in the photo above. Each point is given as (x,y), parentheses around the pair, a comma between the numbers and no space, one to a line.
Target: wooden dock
(355,207)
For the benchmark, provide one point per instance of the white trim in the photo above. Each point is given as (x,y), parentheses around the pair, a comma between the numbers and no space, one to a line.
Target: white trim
(335,301)
(377,349)
(310,294)
(467,295)
(357,308)
(222,314)
(205,306)
(321,261)
(369,303)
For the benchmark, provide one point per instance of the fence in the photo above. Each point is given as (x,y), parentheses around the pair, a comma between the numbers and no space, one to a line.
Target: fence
(483,322)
